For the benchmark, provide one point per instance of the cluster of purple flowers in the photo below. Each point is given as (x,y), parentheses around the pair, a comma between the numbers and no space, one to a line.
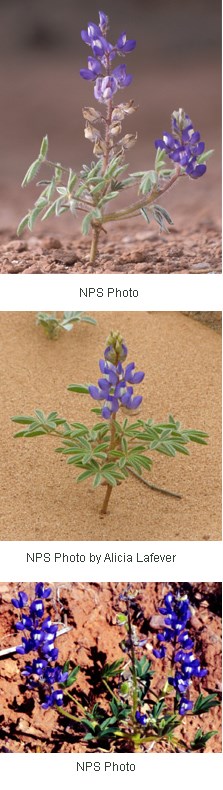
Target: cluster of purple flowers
(107,82)
(114,387)
(184,145)
(177,613)
(40,637)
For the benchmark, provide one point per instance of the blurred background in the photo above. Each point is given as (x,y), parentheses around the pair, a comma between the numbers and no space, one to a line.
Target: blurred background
(177,62)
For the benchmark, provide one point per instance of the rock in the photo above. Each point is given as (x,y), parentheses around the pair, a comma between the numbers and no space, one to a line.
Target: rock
(9,668)
(203,266)
(24,726)
(142,267)
(52,244)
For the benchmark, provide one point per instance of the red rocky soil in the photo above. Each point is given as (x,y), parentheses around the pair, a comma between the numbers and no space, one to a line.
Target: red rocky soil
(94,639)
(129,251)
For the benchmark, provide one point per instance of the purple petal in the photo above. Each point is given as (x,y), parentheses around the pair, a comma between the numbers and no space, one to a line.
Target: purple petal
(87,74)
(95,393)
(196,171)
(135,402)
(85,37)
(159,144)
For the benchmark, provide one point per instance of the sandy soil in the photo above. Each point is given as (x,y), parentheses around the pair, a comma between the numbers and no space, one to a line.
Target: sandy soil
(193,245)
(94,639)
(39,499)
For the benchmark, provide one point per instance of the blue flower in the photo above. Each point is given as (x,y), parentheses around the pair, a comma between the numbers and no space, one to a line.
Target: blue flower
(184,145)
(185,706)
(21,601)
(107,82)
(141,718)
(56,698)
(40,592)
(113,388)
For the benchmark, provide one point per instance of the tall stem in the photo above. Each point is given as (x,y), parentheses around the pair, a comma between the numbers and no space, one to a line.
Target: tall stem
(109,487)
(133,660)
(94,243)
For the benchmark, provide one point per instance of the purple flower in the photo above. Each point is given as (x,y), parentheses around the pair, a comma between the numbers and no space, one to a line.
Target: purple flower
(185,706)
(21,601)
(159,652)
(93,70)
(105,88)
(141,718)
(40,592)
(107,82)
(184,145)
(180,683)
(37,607)
(124,45)
(56,698)
(103,19)
(113,388)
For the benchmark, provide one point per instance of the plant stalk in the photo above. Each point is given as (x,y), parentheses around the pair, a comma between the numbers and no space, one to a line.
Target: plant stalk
(129,210)
(152,485)
(109,487)
(94,243)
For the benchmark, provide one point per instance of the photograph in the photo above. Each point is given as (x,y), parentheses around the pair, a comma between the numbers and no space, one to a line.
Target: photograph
(113,118)
(110,426)
(110,667)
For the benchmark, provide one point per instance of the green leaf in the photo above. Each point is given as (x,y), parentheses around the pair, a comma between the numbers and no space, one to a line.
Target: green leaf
(86,224)
(113,669)
(203,157)
(31,172)
(81,388)
(201,738)
(33,216)
(122,619)
(71,181)
(43,148)
(49,211)
(145,214)
(23,420)
(72,677)
(203,704)
(23,224)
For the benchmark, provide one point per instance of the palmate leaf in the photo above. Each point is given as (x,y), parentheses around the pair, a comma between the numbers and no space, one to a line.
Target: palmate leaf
(200,739)
(113,669)
(168,724)
(204,703)
(71,677)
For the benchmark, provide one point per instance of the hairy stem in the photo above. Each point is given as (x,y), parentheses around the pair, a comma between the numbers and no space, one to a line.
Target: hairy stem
(109,487)
(110,690)
(94,243)
(75,700)
(65,713)
(133,660)
(152,485)
(144,201)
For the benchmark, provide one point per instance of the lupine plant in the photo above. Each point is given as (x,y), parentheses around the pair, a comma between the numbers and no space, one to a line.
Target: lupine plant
(113,448)
(92,191)
(126,710)
(52,324)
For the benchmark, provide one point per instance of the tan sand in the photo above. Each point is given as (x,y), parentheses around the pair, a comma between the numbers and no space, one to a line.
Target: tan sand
(39,499)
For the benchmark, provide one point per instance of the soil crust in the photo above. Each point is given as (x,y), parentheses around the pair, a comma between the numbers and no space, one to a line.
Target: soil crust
(182,362)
